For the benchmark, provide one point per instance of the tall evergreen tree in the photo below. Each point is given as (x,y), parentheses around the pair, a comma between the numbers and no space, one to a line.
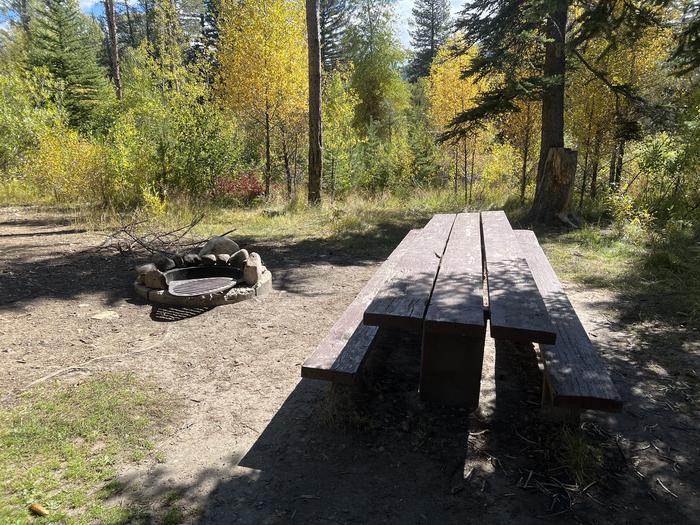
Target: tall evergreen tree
(334,17)
(64,41)
(431,27)
(523,48)
(376,55)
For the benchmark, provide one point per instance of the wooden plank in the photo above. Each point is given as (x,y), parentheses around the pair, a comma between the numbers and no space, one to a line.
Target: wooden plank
(516,307)
(402,300)
(576,376)
(457,303)
(342,352)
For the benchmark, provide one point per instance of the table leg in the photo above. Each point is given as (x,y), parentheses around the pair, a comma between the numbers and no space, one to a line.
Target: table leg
(451,368)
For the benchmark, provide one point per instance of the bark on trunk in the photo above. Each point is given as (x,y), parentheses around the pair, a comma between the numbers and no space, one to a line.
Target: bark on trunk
(113,46)
(315,125)
(558,183)
(552,111)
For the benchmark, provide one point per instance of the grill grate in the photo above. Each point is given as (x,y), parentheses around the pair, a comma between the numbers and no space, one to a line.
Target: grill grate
(202,286)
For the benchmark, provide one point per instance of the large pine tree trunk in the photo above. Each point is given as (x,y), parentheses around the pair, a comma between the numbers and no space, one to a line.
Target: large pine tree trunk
(552,114)
(315,126)
(557,185)
(113,46)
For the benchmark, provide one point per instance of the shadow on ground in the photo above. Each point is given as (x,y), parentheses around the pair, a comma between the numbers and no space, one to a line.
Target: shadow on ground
(377,454)
(66,265)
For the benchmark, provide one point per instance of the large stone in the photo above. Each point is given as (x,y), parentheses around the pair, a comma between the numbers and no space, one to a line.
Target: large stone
(155,279)
(144,269)
(163,263)
(209,259)
(192,259)
(218,245)
(239,259)
(253,269)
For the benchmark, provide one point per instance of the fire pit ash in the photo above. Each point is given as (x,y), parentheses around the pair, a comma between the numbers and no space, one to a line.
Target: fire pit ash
(220,273)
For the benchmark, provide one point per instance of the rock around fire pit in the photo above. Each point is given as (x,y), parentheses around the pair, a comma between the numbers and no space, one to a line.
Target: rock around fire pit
(220,273)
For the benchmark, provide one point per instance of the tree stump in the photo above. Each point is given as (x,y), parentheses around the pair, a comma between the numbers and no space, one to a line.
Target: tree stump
(555,187)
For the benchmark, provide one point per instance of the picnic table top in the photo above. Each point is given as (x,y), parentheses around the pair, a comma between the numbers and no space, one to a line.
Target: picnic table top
(448,281)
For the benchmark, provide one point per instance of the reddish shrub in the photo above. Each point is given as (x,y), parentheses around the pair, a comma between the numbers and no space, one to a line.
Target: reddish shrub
(243,189)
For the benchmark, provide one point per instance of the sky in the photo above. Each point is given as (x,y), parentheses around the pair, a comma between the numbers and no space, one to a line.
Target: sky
(403,14)
(402,8)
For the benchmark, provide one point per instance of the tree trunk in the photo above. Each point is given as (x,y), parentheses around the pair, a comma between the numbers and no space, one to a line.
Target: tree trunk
(268,160)
(611,169)
(130,23)
(552,111)
(147,19)
(596,162)
(526,153)
(558,183)
(471,177)
(287,167)
(315,125)
(456,167)
(465,169)
(332,177)
(618,163)
(584,175)
(295,176)
(113,46)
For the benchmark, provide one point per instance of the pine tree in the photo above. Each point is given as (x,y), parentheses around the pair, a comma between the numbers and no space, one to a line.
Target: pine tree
(334,17)
(63,41)
(168,43)
(523,48)
(431,27)
(376,54)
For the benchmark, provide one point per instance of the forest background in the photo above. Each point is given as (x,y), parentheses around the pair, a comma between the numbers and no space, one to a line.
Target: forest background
(158,105)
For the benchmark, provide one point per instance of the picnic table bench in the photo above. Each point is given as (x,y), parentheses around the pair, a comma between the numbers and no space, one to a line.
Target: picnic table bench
(446,283)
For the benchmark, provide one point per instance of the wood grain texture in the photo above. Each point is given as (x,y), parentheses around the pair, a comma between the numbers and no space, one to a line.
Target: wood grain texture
(402,301)
(457,303)
(576,376)
(518,312)
(340,356)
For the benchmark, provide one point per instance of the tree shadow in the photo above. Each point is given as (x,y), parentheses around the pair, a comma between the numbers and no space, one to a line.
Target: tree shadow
(54,269)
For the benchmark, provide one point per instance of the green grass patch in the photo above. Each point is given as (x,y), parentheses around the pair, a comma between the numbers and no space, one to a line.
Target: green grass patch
(658,271)
(61,444)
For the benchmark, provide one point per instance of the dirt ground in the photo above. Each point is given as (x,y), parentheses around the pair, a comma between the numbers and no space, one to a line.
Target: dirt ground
(255,444)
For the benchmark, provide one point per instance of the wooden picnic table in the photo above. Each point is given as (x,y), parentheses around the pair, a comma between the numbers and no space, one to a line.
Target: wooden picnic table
(446,283)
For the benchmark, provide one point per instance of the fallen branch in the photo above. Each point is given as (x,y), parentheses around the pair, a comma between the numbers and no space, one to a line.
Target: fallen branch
(83,366)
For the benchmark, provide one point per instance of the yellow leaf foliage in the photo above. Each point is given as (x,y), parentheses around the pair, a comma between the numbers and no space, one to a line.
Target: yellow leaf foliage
(449,93)
(264,58)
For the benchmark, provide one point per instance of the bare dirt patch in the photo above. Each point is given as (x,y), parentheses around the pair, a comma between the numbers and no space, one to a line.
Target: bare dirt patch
(257,445)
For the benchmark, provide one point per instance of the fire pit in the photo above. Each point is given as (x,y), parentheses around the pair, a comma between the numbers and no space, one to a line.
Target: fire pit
(219,274)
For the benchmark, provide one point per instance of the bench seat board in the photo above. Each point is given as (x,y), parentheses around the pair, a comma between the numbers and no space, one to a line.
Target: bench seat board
(340,355)
(517,311)
(576,375)
(457,303)
(402,300)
